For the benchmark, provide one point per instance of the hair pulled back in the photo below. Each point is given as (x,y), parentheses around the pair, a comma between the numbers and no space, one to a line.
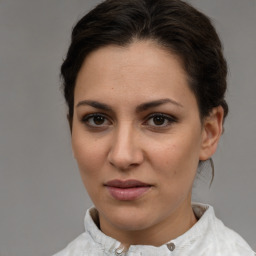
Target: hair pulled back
(172,24)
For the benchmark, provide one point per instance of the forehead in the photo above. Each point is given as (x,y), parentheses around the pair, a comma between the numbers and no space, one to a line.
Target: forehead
(138,71)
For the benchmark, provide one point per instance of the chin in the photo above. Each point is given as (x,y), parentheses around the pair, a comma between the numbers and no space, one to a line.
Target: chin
(129,218)
(131,224)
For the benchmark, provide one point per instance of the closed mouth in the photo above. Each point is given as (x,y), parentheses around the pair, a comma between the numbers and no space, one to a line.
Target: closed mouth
(126,184)
(128,190)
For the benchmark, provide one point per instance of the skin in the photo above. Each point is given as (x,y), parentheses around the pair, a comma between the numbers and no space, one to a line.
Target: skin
(125,142)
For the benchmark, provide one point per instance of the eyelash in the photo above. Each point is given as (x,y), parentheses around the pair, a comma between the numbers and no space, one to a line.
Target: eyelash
(87,118)
(169,120)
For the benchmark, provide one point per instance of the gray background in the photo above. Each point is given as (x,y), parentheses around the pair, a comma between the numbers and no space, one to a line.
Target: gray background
(42,199)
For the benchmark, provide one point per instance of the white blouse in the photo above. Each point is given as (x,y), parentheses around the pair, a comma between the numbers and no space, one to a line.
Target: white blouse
(208,237)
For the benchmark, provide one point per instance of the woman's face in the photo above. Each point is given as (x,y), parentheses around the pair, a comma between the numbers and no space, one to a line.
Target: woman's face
(136,136)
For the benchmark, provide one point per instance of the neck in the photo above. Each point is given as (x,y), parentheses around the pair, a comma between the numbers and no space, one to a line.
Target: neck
(176,224)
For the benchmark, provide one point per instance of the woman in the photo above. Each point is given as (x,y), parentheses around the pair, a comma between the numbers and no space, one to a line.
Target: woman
(145,85)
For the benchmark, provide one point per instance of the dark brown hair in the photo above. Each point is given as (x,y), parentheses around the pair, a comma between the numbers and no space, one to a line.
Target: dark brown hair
(172,24)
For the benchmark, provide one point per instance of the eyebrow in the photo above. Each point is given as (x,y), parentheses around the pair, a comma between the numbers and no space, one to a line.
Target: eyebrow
(147,105)
(140,108)
(94,104)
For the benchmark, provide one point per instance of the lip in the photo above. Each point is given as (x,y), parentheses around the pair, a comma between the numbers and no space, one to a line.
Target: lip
(127,190)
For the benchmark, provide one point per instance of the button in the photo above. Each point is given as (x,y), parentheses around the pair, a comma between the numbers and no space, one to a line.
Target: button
(171,246)
(119,251)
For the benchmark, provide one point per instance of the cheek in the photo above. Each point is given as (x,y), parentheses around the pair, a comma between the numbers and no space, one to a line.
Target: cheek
(89,155)
(177,159)
(165,156)
(176,168)
(90,159)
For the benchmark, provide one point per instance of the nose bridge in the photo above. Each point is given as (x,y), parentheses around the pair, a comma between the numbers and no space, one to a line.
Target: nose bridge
(125,149)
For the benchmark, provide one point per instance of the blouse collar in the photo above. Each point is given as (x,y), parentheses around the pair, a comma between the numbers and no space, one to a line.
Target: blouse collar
(204,213)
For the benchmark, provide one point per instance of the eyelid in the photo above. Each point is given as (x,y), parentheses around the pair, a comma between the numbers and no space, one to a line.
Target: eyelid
(86,117)
(167,116)
(170,118)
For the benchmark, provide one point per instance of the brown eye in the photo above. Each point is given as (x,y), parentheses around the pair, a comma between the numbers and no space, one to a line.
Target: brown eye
(159,120)
(98,120)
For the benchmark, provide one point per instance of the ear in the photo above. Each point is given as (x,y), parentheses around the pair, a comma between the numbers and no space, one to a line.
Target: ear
(211,132)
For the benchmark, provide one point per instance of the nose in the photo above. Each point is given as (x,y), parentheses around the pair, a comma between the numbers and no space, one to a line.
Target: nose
(125,151)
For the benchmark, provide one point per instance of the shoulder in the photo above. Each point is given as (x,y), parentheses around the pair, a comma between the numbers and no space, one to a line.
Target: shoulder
(77,247)
(92,241)
(227,240)
(83,243)
(221,240)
